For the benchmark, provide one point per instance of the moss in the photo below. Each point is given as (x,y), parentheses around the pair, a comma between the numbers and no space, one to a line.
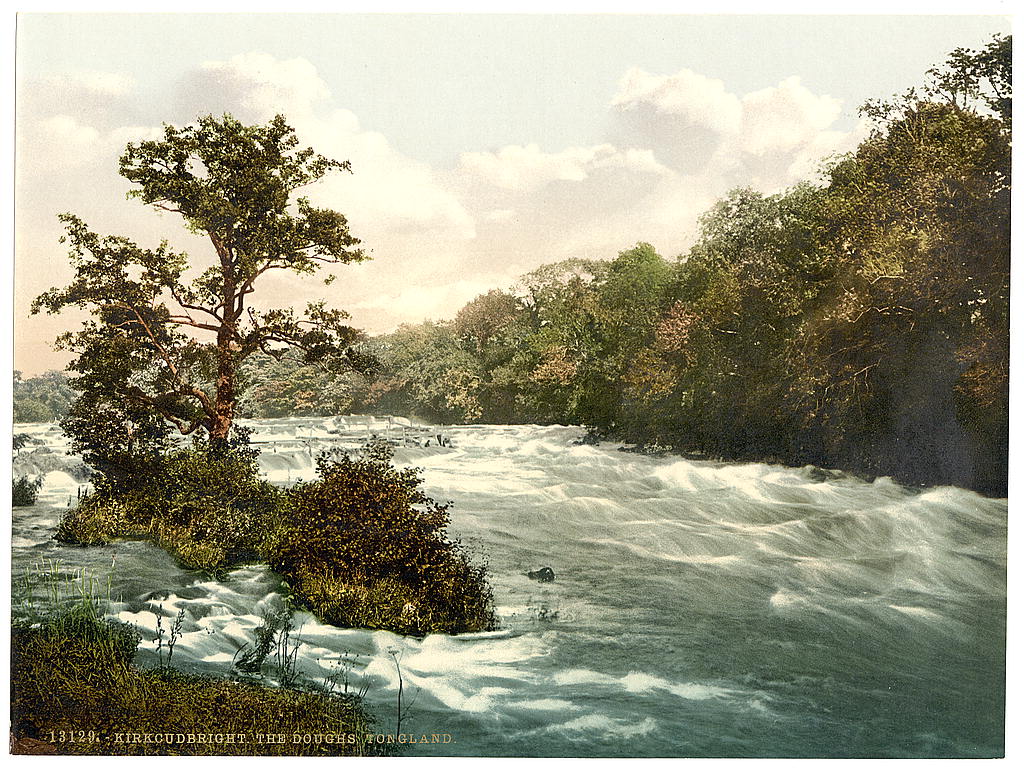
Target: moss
(74,673)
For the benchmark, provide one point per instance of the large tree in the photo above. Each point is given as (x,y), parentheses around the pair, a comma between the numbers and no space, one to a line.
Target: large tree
(166,339)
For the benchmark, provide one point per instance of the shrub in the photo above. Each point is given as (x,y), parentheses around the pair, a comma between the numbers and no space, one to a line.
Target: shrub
(207,506)
(25,491)
(363,546)
(100,518)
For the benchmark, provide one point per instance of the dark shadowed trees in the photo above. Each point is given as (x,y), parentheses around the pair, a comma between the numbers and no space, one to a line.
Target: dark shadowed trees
(861,322)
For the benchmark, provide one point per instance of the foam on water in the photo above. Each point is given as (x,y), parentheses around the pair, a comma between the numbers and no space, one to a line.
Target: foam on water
(698,608)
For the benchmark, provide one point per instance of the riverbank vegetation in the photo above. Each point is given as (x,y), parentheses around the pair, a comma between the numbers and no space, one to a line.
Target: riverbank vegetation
(857,322)
(45,398)
(75,691)
(360,546)
(208,507)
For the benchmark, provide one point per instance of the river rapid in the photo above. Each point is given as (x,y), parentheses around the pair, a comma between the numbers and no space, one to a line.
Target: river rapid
(698,609)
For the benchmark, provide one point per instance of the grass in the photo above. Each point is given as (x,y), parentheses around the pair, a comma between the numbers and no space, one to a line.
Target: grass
(361,546)
(74,690)
(46,587)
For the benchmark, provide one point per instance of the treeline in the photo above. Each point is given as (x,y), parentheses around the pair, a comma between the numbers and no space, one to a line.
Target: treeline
(860,323)
(45,398)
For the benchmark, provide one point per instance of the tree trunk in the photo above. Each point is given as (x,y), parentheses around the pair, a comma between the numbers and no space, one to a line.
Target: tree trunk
(224,401)
(224,404)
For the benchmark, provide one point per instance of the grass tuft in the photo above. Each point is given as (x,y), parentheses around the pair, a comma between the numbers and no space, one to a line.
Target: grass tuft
(74,690)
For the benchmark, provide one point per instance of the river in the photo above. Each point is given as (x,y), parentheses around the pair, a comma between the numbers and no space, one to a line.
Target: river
(698,609)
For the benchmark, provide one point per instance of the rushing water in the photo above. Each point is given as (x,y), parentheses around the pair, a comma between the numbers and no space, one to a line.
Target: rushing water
(698,609)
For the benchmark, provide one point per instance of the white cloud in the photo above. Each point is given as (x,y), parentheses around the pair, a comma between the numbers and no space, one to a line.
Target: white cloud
(257,83)
(686,98)
(439,237)
(525,169)
(683,118)
(785,117)
(770,138)
(679,142)
(500,216)
(388,194)
(93,98)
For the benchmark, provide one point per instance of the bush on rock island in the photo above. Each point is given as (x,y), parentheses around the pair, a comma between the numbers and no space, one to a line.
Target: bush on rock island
(363,546)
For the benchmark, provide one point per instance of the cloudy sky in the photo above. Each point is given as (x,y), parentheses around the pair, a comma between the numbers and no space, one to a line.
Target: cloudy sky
(482,146)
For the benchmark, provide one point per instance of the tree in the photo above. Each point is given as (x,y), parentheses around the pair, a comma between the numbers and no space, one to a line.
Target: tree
(431,375)
(43,398)
(482,319)
(161,350)
(967,80)
(914,350)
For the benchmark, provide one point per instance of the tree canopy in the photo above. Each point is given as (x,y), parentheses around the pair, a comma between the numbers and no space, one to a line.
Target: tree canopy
(162,350)
(857,323)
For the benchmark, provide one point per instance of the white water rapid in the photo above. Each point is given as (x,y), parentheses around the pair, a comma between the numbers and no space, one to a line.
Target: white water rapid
(698,609)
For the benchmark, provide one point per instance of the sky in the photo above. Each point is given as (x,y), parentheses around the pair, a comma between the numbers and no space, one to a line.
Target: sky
(481,146)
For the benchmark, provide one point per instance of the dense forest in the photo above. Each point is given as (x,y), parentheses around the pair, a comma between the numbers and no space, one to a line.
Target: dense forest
(858,322)
(45,398)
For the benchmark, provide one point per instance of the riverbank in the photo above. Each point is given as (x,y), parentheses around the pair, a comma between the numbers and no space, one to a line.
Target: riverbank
(75,691)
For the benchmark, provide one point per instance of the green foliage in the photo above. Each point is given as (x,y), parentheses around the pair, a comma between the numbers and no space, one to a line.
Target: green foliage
(288,387)
(242,190)
(32,410)
(207,506)
(363,546)
(41,399)
(73,671)
(24,491)
(431,373)
(967,81)
(485,318)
